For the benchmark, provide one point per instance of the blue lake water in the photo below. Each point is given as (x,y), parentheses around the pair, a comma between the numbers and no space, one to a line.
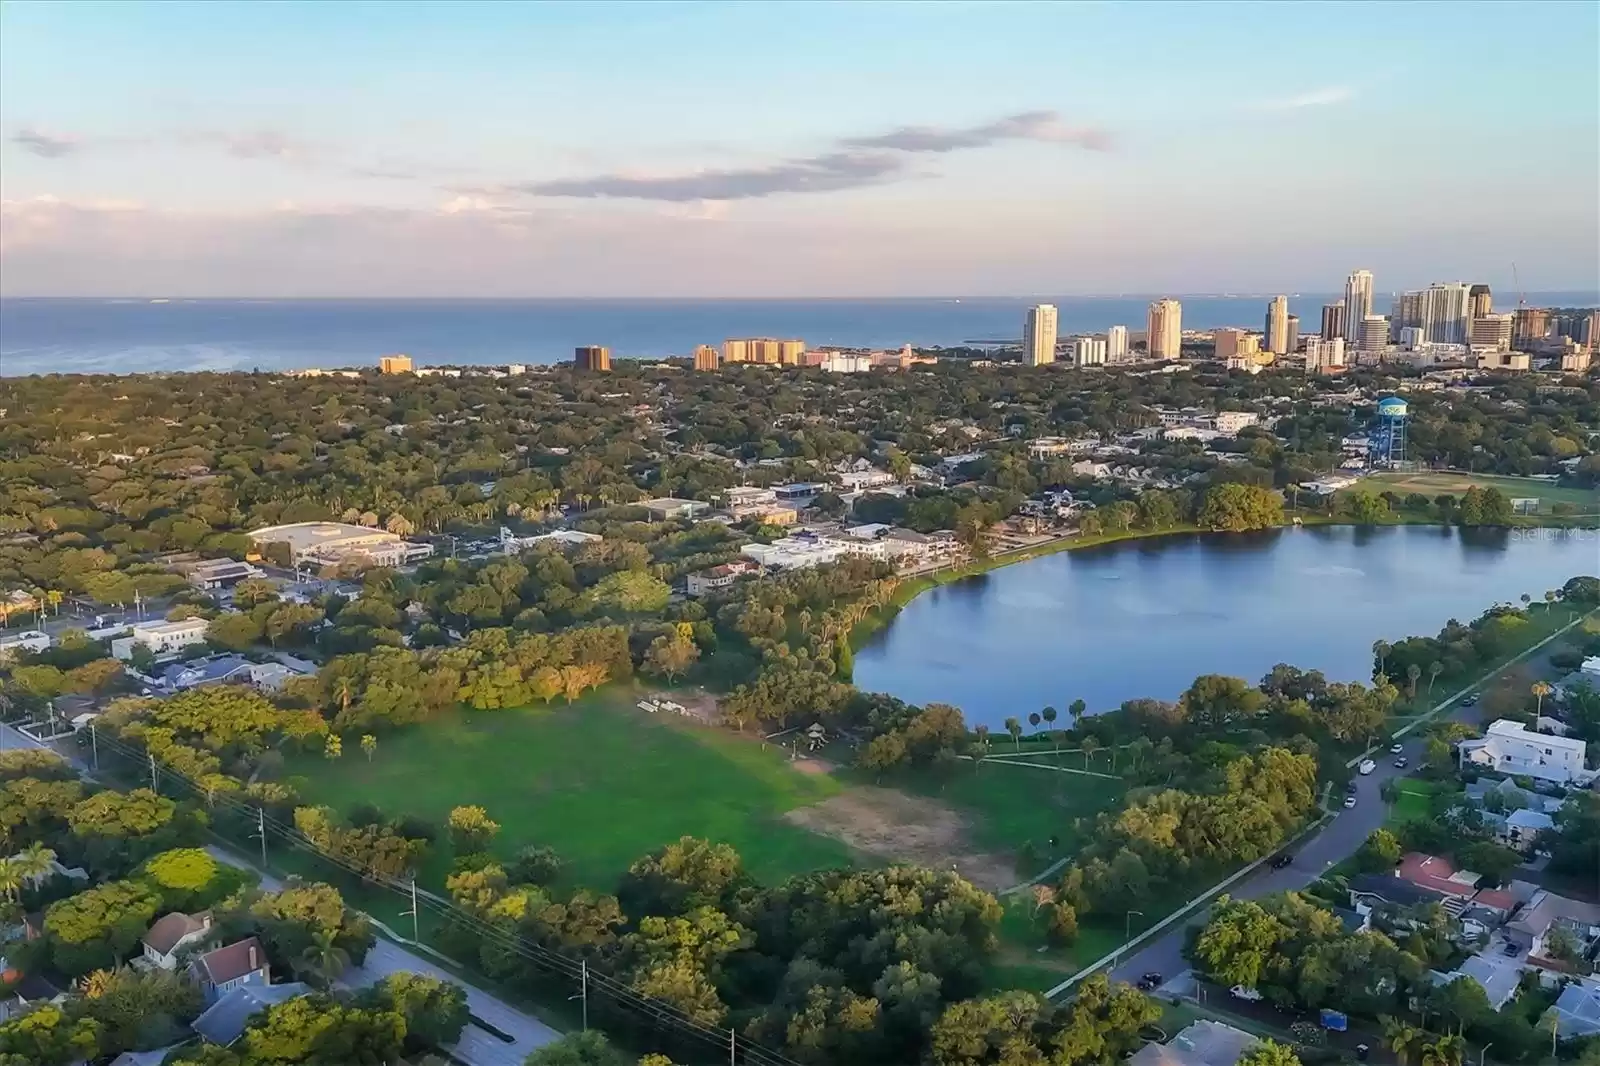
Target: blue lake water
(40,336)
(1144,618)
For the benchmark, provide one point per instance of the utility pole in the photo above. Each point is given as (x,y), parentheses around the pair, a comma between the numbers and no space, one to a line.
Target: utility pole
(153,783)
(584,978)
(732,1050)
(416,928)
(261,828)
(94,746)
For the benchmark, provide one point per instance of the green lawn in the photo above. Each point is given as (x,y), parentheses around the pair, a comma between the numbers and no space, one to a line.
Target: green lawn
(1434,482)
(599,781)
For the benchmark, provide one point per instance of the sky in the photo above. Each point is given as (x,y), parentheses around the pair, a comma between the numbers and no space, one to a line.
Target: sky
(794,149)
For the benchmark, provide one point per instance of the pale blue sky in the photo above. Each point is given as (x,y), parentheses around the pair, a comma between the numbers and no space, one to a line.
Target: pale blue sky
(794,149)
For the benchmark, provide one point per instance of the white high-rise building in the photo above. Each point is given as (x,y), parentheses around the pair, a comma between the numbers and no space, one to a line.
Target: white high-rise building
(1117,344)
(1039,336)
(1357,303)
(1275,337)
(1089,351)
(1446,311)
(1164,334)
(1374,333)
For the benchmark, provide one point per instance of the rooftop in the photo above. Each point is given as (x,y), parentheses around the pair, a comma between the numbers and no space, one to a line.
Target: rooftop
(171,928)
(308,536)
(1203,1043)
(1578,1010)
(233,961)
(225,1020)
(1436,875)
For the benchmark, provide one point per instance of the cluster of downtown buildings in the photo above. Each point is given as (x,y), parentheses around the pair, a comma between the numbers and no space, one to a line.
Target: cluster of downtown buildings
(1447,320)
(770,351)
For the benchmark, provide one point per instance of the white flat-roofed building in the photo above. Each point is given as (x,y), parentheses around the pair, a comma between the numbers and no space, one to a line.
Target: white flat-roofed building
(856,480)
(1511,748)
(671,507)
(12,644)
(160,638)
(795,553)
(335,542)
(1231,422)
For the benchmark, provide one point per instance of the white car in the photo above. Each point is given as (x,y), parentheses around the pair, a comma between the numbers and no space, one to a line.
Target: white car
(1241,992)
(1397,749)
(1349,801)
(1366,767)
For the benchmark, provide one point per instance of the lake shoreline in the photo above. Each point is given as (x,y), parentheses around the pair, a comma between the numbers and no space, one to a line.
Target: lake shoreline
(913,587)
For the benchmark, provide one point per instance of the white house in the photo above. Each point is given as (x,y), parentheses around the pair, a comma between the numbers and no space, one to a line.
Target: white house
(160,638)
(170,934)
(719,577)
(1510,748)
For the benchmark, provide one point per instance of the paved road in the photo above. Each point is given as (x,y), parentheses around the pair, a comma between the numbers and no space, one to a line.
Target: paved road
(1341,838)
(477,1047)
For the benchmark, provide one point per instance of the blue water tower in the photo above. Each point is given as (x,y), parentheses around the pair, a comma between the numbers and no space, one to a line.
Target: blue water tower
(1386,439)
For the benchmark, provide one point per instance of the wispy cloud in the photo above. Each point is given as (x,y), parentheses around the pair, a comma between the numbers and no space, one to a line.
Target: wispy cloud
(1028,126)
(44,144)
(1332,94)
(853,163)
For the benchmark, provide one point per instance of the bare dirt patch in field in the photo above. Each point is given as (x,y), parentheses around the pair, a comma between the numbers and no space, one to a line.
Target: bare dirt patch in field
(902,828)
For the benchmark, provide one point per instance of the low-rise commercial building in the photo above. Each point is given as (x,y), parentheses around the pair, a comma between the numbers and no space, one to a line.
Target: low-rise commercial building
(394,364)
(337,542)
(160,638)
(666,507)
(218,573)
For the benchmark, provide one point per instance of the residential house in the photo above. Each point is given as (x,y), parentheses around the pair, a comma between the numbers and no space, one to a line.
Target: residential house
(224,969)
(170,934)
(1498,976)
(1438,876)
(1202,1043)
(1522,827)
(1577,1010)
(31,991)
(144,1058)
(224,1021)
(1532,926)
(719,577)
(197,673)
(1511,748)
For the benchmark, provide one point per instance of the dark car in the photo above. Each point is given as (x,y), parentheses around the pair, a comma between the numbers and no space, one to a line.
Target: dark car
(1350,787)
(1150,980)
(1511,948)
(1469,699)
(1280,861)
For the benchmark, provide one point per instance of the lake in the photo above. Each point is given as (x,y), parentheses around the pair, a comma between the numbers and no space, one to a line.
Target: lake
(1145,617)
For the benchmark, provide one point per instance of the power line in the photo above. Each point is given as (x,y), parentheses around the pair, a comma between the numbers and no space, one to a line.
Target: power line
(622,995)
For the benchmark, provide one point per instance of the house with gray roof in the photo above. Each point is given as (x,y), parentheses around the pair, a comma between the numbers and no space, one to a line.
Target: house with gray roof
(1203,1043)
(225,1020)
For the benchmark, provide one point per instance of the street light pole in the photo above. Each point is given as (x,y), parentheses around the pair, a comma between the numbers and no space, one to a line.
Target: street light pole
(1483,1052)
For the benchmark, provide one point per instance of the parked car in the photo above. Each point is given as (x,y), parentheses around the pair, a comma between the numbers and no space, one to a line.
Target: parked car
(1149,981)
(1349,801)
(1511,948)
(1396,749)
(1366,767)
(1469,699)
(1400,763)
(1350,787)
(1282,860)
(1247,994)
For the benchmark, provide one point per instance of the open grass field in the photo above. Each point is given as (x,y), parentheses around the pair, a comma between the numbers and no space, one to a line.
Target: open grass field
(1434,482)
(599,781)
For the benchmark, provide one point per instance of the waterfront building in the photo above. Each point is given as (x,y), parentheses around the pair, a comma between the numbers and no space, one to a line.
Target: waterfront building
(394,364)
(1039,335)
(769,351)
(1294,334)
(593,357)
(1357,303)
(1116,344)
(705,357)
(1529,326)
(1374,333)
(1229,342)
(1333,320)
(1491,331)
(1164,332)
(1276,333)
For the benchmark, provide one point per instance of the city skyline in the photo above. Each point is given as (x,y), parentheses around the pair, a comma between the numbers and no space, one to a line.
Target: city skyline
(145,153)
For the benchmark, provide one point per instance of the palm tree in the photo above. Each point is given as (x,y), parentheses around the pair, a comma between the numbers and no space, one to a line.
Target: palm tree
(1413,675)
(1435,668)
(1049,716)
(369,745)
(1380,651)
(1090,746)
(1401,1037)
(1447,1050)
(11,879)
(1541,689)
(36,860)
(343,689)
(324,959)
(1014,727)
(1077,709)
(1034,719)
